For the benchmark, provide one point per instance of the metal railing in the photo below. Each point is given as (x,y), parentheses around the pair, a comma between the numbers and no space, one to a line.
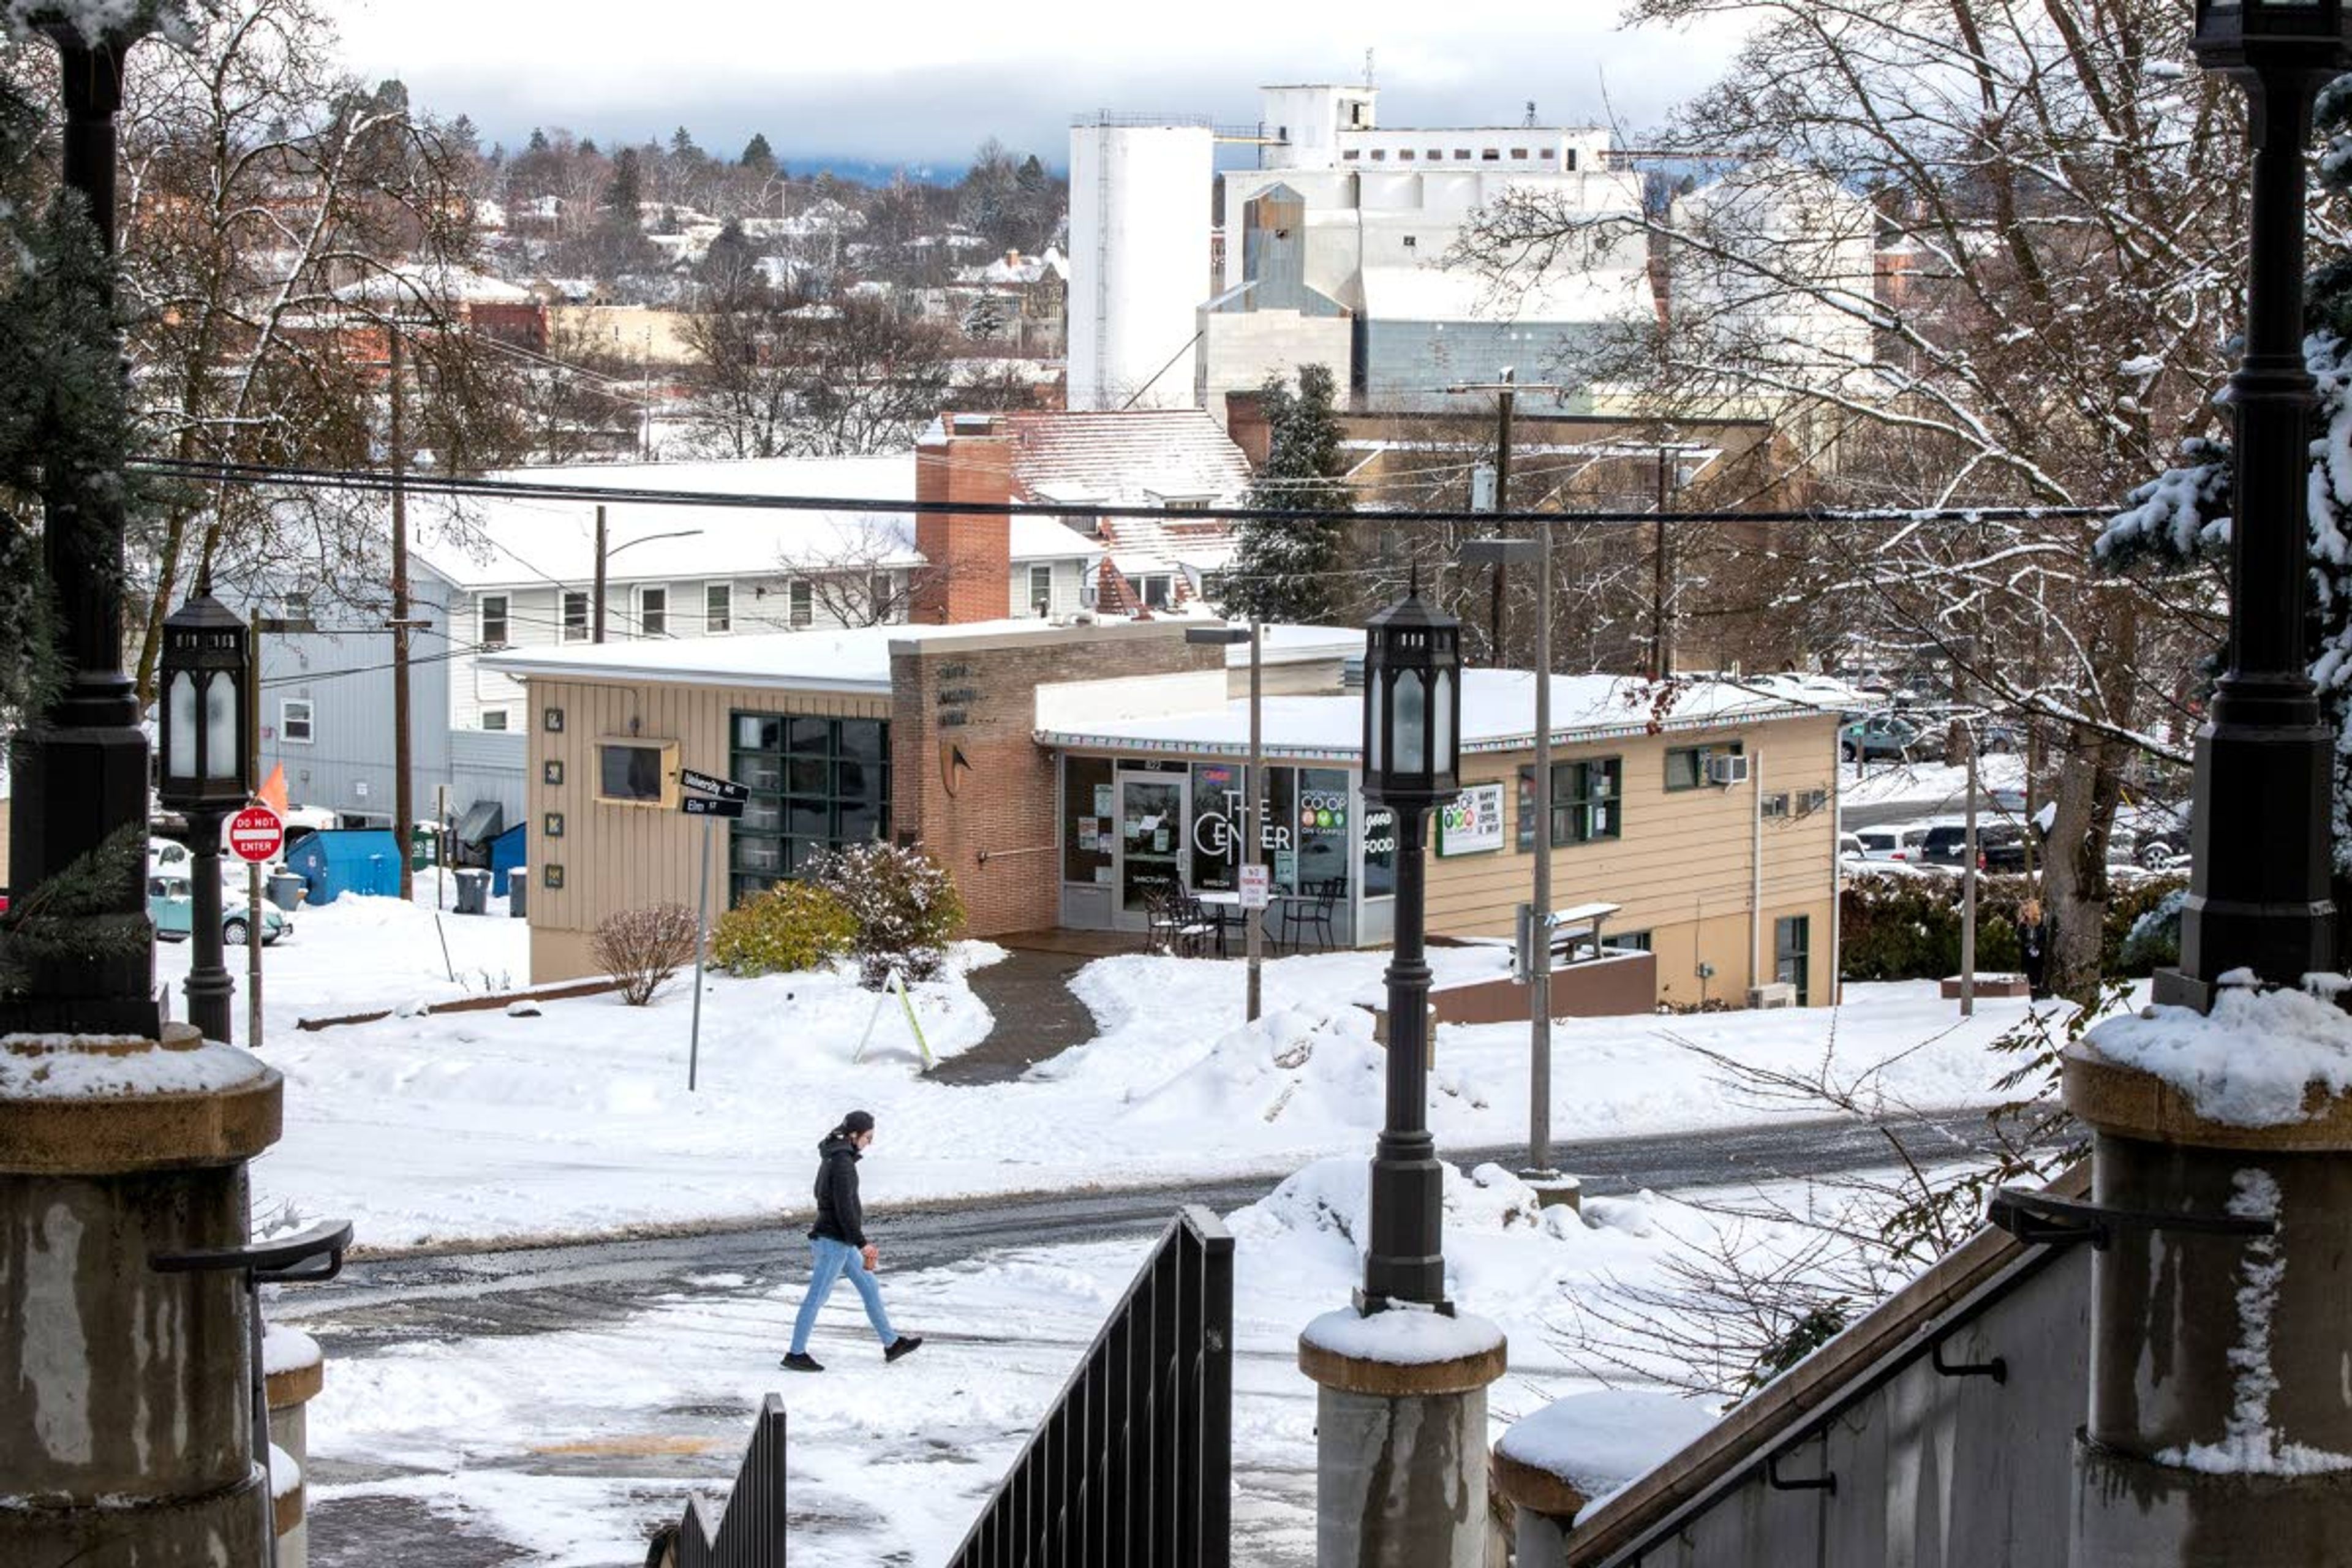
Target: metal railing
(1133,1465)
(750,1532)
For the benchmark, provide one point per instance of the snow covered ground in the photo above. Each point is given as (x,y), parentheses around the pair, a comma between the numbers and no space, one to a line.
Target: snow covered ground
(573,1446)
(480,1125)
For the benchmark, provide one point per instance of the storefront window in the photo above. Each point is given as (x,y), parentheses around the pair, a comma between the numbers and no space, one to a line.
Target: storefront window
(1323,804)
(1217,842)
(1087,810)
(815,784)
(1586,803)
(1380,851)
(1282,827)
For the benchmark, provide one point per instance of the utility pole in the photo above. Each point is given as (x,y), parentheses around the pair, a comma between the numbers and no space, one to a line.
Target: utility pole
(1506,400)
(1253,817)
(597,597)
(1539,1166)
(402,807)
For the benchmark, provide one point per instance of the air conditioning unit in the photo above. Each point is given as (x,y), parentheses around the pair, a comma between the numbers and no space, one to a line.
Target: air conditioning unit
(1780,993)
(1726,768)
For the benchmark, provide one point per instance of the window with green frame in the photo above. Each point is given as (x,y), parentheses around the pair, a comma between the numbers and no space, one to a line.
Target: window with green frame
(1686,765)
(1587,802)
(815,784)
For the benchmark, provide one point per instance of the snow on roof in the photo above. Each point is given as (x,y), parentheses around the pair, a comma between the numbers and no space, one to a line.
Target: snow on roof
(1439,294)
(1497,715)
(855,659)
(423,281)
(1133,457)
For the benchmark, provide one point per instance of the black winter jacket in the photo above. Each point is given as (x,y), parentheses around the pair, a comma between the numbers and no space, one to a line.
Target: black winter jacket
(839,1215)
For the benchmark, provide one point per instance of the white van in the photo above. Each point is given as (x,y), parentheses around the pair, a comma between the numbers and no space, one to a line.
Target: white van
(1899,842)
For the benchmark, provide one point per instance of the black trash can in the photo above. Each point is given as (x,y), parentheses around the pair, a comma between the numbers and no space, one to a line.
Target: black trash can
(473,891)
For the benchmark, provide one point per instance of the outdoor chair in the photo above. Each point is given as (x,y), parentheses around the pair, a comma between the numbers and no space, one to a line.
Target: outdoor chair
(1175,922)
(1312,913)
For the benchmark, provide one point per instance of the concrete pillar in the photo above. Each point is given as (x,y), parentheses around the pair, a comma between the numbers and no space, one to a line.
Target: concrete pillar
(2221,1413)
(127,1418)
(295,1373)
(1401,1451)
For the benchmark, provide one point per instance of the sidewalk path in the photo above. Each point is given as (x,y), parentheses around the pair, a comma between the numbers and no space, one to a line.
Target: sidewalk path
(1028,993)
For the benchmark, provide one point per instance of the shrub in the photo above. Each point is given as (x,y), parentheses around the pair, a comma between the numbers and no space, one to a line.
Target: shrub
(903,903)
(792,926)
(1908,927)
(642,948)
(2149,916)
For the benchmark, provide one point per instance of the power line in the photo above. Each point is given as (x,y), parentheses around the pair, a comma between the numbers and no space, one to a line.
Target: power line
(258,474)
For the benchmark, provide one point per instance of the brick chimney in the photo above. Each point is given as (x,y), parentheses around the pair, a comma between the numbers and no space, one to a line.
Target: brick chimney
(968,574)
(1246,425)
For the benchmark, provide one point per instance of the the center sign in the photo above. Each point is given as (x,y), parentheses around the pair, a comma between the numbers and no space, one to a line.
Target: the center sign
(256,834)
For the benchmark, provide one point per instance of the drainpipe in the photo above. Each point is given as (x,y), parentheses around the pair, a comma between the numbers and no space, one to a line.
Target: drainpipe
(1756,887)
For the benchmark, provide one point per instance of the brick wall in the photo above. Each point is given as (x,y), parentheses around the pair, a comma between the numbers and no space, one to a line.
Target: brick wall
(969,556)
(979,698)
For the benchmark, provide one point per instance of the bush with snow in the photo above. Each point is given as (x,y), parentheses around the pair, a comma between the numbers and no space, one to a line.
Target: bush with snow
(642,948)
(791,927)
(904,903)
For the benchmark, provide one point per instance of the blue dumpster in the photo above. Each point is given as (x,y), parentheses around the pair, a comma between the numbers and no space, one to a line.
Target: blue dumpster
(346,860)
(507,851)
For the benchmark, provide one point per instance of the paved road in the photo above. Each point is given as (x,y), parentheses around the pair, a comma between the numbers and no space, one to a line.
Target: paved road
(525,1291)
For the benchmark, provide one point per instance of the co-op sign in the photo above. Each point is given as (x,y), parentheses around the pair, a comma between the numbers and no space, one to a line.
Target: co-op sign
(1217,833)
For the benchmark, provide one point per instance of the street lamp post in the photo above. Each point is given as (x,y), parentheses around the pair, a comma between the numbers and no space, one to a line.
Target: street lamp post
(2217,1315)
(205,773)
(1253,825)
(1402,1377)
(81,766)
(604,553)
(1412,723)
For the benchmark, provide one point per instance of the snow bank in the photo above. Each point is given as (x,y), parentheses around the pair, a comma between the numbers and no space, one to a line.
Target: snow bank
(1599,1443)
(2249,1062)
(57,1067)
(1403,1336)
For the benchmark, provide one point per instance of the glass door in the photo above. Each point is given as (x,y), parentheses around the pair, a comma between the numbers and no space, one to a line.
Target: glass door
(1792,943)
(1152,813)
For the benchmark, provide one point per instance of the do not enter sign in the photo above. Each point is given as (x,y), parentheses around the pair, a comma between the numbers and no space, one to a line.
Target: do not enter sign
(256,834)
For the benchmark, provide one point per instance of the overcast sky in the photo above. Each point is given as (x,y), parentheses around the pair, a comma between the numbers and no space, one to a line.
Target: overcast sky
(925,80)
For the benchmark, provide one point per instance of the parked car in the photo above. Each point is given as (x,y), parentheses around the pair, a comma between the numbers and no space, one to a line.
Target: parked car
(1899,842)
(172,905)
(2001,845)
(1880,735)
(2153,835)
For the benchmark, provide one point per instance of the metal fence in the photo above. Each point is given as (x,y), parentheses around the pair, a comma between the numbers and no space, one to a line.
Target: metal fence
(1133,1465)
(749,1533)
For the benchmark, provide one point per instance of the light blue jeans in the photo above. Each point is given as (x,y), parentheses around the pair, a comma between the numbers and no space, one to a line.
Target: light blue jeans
(832,1260)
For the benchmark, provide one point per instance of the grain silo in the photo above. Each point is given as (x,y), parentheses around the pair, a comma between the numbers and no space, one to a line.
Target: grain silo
(1140,187)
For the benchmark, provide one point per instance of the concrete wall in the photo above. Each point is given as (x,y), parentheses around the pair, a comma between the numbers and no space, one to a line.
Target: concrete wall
(1239,349)
(1683,868)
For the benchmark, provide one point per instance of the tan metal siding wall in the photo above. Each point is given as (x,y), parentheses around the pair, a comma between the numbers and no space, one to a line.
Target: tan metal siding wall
(624,857)
(1681,869)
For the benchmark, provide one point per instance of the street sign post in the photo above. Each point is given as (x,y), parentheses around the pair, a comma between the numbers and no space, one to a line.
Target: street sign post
(256,835)
(712,799)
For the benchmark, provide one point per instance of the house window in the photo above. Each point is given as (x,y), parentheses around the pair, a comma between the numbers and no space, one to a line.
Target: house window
(635,773)
(1436,155)
(1379,155)
(1774,805)
(816,784)
(1793,954)
(1412,242)
(1461,153)
(1041,589)
(1569,160)
(1406,155)
(1351,154)
(493,627)
(294,720)
(576,618)
(804,602)
(1519,153)
(1156,590)
(653,612)
(494,717)
(1490,154)
(881,597)
(718,607)
(1686,765)
(296,610)
(1587,802)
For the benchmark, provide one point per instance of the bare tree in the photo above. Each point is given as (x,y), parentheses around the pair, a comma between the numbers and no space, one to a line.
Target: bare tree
(776,376)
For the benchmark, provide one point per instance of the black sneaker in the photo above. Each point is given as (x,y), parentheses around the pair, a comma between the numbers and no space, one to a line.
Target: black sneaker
(801,1361)
(905,1345)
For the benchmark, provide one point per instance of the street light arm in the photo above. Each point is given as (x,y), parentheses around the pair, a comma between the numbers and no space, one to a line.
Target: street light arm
(650,539)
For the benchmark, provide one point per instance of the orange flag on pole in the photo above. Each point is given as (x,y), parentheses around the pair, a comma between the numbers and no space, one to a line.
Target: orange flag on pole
(273,790)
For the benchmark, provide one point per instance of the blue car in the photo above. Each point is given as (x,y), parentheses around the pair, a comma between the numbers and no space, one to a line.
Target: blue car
(172,906)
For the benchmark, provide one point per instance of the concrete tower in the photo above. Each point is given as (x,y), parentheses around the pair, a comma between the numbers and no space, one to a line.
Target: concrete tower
(1140,196)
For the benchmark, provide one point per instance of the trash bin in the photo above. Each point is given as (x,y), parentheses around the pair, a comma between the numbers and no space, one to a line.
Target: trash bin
(518,884)
(286,890)
(473,891)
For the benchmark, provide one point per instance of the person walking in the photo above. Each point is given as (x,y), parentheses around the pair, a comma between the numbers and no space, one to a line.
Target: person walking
(838,1246)
(2033,948)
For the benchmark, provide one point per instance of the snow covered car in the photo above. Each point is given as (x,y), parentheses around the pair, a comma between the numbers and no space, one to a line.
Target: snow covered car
(1901,841)
(172,906)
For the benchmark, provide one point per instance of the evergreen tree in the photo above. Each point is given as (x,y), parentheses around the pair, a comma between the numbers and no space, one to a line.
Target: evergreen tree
(1285,569)
(758,156)
(624,195)
(682,147)
(538,144)
(986,319)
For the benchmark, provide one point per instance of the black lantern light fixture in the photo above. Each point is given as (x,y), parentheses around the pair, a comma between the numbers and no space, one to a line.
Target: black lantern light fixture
(1413,729)
(204,772)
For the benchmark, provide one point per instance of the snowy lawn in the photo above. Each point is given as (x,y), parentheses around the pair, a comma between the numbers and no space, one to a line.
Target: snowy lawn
(577,1121)
(574,1445)
(1932,787)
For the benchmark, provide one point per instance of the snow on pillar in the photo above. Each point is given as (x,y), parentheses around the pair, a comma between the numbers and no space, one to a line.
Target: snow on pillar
(127,1422)
(1401,1445)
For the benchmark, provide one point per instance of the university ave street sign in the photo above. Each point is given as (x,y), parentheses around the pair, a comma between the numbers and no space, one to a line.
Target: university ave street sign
(705,783)
(256,834)
(703,806)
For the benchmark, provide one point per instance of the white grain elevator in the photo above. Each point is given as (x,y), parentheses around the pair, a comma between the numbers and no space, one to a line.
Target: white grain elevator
(1140,210)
